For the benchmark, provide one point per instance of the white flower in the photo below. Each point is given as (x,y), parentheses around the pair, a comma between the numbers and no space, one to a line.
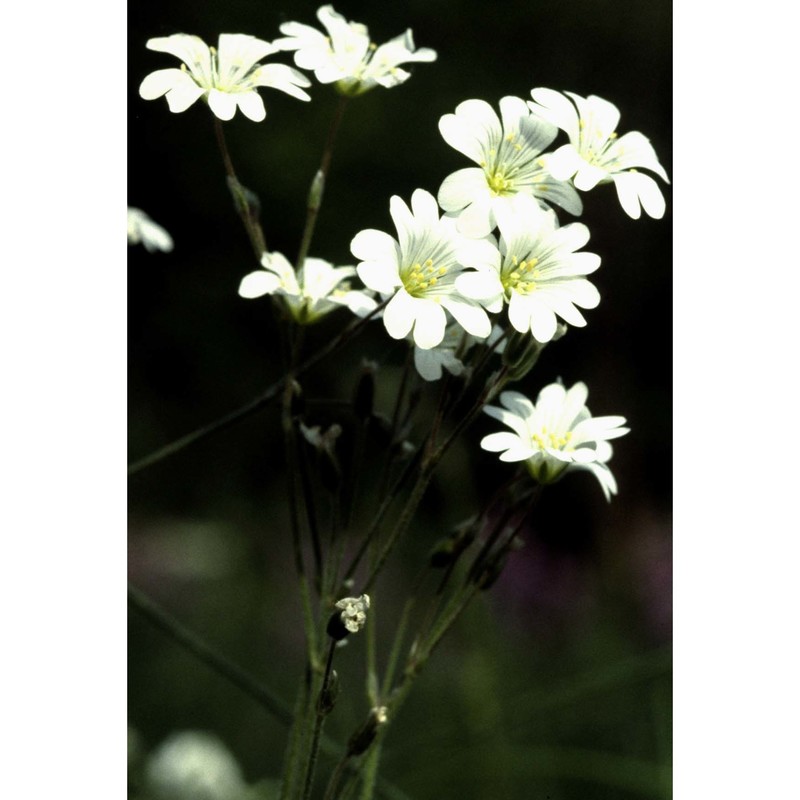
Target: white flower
(142,230)
(511,166)
(346,56)
(315,290)
(536,271)
(429,363)
(595,154)
(354,612)
(455,345)
(226,77)
(555,435)
(419,272)
(193,765)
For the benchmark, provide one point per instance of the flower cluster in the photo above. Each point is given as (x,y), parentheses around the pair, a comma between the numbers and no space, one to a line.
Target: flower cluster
(487,250)
(354,612)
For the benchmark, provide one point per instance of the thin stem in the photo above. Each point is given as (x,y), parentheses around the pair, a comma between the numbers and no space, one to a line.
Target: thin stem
(318,184)
(244,206)
(200,650)
(336,777)
(322,712)
(256,404)
(385,505)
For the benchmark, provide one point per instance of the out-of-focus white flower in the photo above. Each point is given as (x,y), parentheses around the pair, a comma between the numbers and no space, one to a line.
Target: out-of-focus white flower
(193,765)
(509,159)
(419,272)
(227,77)
(346,56)
(142,230)
(455,346)
(596,155)
(315,290)
(429,363)
(536,271)
(555,435)
(354,612)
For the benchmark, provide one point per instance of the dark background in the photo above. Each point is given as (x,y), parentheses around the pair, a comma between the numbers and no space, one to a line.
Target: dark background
(557,684)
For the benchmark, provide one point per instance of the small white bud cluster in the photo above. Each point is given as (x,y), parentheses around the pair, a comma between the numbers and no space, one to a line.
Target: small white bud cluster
(354,612)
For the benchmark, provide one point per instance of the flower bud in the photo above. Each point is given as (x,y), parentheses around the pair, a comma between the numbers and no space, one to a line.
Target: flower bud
(449,549)
(316,191)
(328,694)
(365,735)
(520,354)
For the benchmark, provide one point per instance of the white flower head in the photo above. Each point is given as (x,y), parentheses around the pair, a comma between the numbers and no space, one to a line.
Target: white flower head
(191,765)
(347,57)
(142,230)
(227,77)
(509,155)
(354,612)
(447,355)
(555,435)
(419,272)
(536,271)
(595,154)
(315,290)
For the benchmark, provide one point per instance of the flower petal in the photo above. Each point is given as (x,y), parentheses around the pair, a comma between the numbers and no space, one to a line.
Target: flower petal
(258,283)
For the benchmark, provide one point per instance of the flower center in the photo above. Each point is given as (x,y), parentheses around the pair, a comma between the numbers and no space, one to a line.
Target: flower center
(419,278)
(499,183)
(521,278)
(545,439)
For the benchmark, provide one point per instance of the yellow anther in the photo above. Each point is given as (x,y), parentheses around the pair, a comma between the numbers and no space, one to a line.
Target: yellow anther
(510,137)
(540,162)
(429,263)
(518,147)
(493,152)
(612,135)
(373,46)
(442,271)
(514,260)
(432,281)
(483,164)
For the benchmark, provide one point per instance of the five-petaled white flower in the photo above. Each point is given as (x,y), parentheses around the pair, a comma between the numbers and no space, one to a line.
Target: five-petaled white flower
(536,271)
(510,159)
(315,290)
(227,77)
(419,272)
(142,229)
(346,56)
(354,612)
(555,435)
(596,155)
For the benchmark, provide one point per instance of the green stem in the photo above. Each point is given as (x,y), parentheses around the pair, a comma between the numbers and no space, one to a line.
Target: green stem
(200,650)
(318,185)
(243,205)
(259,402)
(320,715)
